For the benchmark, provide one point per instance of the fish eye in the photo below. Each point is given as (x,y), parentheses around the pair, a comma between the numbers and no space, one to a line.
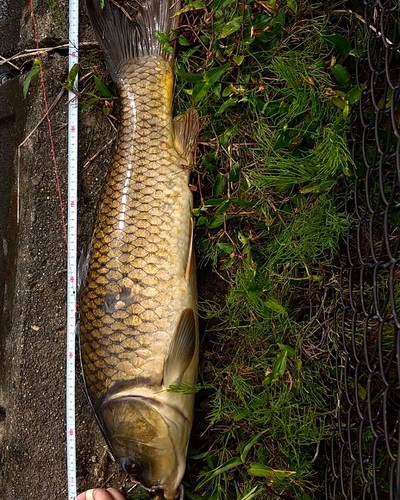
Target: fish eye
(129,466)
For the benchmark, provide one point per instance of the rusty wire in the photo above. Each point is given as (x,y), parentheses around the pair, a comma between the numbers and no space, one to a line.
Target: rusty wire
(364,458)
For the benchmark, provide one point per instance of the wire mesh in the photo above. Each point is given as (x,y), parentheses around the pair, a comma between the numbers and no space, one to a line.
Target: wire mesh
(364,454)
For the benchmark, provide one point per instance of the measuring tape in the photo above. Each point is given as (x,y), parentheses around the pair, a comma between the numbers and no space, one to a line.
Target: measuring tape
(72,241)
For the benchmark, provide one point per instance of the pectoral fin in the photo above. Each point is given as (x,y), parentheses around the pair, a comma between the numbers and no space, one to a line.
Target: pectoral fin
(186,128)
(182,349)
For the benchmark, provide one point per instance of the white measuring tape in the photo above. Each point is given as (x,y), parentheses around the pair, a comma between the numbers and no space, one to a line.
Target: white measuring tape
(72,240)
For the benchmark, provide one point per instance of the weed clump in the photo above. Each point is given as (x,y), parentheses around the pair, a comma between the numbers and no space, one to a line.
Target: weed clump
(274,99)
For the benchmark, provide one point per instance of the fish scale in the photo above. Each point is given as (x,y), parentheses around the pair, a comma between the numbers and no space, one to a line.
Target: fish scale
(135,289)
(138,304)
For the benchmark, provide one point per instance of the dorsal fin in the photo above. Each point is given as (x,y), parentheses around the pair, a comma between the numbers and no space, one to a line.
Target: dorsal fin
(182,348)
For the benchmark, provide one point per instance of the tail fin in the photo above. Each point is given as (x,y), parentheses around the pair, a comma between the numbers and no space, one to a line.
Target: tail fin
(122,40)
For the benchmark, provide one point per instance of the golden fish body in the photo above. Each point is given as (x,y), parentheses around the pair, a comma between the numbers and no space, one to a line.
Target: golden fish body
(138,312)
(139,278)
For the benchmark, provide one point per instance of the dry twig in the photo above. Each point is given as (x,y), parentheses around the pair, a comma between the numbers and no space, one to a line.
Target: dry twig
(31,52)
(85,166)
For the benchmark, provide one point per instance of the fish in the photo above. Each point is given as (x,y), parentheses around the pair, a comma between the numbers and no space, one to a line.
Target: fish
(138,331)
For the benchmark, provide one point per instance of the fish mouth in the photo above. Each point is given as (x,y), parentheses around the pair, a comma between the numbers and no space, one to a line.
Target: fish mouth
(159,494)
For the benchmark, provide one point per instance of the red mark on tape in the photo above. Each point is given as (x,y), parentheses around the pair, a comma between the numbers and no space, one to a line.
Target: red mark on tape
(72,279)
(72,204)
(73,129)
(73,54)
(70,355)
(71,432)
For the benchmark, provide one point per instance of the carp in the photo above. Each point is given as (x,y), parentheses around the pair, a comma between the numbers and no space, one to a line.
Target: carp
(138,297)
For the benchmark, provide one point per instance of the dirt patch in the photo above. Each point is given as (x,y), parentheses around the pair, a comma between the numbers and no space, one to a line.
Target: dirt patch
(33,333)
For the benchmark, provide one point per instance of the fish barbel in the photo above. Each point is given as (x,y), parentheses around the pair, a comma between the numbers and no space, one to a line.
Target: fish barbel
(138,299)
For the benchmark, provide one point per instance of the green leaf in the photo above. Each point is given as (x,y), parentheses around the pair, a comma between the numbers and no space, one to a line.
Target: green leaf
(346,110)
(274,305)
(337,101)
(230,102)
(353,95)
(194,5)
(161,37)
(200,90)
(243,203)
(227,91)
(202,221)
(341,75)
(338,42)
(238,59)
(292,4)
(90,103)
(224,207)
(199,456)
(234,175)
(102,4)
(279,367)
(104,92)
(183,41)
(214,202)
(219,184)
(72,76)
(215,74)
(188,54)
(252,493)
(291,352)
(230,464)
(268,380)
(256,469)
(248,446)
(168,48)
(243,239)
(108,108)
(193,496)
(28,80)
(226,247)
(228,263)
(218,220)
(217,89)
(231,27)
(362,392)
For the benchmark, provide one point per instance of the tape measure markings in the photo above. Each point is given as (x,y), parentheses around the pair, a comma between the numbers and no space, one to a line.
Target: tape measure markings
(73,57)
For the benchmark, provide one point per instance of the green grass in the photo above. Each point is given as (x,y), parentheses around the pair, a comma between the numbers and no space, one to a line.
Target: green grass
(273,97)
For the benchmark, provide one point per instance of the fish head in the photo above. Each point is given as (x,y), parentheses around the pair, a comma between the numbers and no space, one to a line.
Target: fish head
(149,438)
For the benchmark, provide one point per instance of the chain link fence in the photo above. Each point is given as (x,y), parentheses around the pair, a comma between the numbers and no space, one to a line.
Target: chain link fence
(364,459)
